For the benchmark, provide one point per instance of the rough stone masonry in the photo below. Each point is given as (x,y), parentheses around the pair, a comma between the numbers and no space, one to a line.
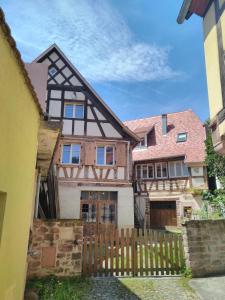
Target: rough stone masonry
(204,247)
(56,248)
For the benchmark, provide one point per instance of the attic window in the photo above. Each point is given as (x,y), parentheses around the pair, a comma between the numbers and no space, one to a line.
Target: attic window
(181,137)
(52,71)
(142,143)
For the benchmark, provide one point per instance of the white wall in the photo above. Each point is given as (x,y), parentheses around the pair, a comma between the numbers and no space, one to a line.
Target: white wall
(69,201)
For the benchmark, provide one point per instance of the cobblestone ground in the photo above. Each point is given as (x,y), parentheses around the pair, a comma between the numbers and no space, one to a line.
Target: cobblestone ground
(141,288)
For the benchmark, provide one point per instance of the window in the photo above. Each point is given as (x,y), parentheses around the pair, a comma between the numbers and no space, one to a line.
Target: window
(178,169)
(99,207)
(161,170)
(142,143)
(138,172)
(187,212)
(72,110)
(145,171)
(151,171)
(52,71)
(181,137)
(71,154)
(105,155)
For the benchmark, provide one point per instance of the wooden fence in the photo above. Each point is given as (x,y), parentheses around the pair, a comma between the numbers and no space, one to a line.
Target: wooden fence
(133,253)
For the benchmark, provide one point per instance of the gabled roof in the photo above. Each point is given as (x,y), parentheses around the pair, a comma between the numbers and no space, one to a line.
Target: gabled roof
(166,146)
(189,7)
(6,30)
(85,83)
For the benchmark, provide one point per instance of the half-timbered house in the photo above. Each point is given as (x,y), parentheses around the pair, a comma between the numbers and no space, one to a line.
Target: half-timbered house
(93,158)
(169,169)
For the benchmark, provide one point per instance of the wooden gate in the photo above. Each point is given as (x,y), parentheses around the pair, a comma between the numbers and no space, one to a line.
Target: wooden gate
(133,253)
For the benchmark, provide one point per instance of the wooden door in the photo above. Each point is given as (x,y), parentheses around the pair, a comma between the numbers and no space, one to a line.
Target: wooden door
(162,214)
(98,210)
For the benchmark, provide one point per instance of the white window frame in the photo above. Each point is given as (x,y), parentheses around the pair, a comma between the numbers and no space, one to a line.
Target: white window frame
(161,166)
(96,155)
(175,171)
(141,166)
(74,110)
(139,147)
(71,146)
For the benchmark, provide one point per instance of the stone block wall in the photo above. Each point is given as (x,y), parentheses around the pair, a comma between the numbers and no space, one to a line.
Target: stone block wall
(204,247)
(56,248)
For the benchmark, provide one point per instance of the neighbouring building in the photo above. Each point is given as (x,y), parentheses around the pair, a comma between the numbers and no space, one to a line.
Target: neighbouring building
(169,170)
(27,145)
(93,158)
(213,14)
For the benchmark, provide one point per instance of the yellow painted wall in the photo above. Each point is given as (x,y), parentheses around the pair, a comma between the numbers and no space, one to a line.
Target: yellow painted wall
(19,121)
(212,61)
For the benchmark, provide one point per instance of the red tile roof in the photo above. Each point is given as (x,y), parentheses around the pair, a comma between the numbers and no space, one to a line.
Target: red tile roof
(166,146)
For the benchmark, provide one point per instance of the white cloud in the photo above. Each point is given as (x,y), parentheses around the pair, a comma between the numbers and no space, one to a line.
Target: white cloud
(92,34)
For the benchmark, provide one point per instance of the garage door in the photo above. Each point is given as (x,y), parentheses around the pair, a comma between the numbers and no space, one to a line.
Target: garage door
(163,213)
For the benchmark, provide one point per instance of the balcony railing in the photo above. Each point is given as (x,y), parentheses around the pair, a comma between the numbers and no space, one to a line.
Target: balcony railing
(167,184)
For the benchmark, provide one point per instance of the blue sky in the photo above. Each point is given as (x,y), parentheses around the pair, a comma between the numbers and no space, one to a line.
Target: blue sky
(133,52)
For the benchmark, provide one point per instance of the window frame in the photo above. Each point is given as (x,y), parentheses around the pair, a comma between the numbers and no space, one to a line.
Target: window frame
(175,170)
(141,171)
(181,141)
(139,146)
(71,152)
(161,167)
(105,147)
(74,110)
(55,71)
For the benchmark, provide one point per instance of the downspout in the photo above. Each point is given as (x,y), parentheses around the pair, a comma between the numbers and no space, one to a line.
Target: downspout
(37,194)
(128,160)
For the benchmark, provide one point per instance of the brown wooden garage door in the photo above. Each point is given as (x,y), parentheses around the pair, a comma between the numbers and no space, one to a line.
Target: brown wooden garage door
(163,213)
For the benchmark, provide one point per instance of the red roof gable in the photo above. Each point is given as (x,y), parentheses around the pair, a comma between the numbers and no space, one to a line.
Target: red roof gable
(166,146)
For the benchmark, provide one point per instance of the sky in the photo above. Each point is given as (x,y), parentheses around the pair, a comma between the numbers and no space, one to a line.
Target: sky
(133,52)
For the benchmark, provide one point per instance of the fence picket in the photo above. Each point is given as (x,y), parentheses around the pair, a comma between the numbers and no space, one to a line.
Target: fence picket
(100,254)
(95,255)
(106,254)
(122,252)
(90,255)
(85,259)
(117,251)
(127,251)
(176,254)
(146,252)
(111,254)
(171,253)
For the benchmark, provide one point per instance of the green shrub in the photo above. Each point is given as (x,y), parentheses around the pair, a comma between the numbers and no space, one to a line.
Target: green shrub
(53,288)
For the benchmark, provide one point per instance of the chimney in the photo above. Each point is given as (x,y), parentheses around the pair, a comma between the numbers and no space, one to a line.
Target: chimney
(164,124)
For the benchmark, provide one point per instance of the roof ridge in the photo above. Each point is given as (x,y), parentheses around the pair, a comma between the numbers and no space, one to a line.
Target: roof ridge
(155,116)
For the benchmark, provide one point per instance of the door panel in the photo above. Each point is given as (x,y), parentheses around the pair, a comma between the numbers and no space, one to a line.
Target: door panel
(163,213)
(98,211)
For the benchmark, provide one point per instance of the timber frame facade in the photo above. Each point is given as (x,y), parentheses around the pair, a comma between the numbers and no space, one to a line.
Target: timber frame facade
(93,160)
(169,171)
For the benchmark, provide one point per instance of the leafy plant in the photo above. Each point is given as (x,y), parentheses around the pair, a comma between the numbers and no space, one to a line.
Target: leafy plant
(53,288)
(214,161)
(186,272)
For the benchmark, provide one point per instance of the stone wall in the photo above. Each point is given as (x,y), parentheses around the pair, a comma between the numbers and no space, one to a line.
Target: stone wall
(56,248)
(204,246)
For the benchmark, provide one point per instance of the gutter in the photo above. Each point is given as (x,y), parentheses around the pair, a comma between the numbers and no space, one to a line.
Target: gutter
(183,11)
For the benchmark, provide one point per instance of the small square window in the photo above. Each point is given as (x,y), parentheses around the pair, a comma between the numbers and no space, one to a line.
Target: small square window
(52,71)
(182,137)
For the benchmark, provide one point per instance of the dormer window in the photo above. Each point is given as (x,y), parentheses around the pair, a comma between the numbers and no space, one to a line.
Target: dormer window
(181,137)
(142,143)
(52,71)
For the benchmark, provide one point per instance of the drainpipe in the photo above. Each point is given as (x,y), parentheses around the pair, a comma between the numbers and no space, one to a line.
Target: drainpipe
(37,194)
(128,160)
